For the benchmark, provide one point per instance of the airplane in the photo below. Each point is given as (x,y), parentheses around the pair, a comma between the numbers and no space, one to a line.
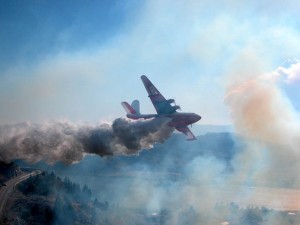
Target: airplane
(164,108)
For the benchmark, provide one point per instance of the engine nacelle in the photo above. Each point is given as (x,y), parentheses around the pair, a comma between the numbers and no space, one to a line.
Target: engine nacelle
(171,101)
(176,107)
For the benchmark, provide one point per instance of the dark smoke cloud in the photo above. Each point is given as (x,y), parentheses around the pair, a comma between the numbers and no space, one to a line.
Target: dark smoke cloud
(68,142)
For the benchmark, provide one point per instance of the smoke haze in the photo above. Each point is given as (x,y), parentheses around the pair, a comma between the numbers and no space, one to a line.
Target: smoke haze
(219,167)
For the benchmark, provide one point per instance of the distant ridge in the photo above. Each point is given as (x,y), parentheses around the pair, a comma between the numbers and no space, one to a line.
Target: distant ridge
(204,129)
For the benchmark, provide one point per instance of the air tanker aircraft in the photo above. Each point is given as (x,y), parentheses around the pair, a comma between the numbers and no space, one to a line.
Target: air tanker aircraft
(164,108)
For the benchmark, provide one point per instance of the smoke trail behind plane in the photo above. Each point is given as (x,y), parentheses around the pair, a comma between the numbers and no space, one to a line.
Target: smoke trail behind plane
(68,142)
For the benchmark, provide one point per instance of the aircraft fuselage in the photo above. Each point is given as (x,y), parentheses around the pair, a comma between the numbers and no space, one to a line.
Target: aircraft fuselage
(177,119)
(183,119)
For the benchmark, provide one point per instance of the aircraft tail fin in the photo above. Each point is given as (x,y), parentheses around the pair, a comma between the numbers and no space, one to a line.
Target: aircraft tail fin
(133,111)
(128,108)
(136,106)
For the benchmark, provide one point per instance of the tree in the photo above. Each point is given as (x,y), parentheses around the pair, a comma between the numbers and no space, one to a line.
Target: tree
(87,193)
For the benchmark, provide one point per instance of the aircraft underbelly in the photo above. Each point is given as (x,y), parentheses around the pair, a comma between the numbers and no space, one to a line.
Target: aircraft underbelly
(180,120)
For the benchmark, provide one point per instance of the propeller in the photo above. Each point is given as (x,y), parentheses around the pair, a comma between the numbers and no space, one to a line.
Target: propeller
(177,106)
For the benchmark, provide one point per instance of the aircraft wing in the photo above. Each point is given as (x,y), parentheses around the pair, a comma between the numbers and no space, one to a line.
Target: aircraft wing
(161,105)
(185,130)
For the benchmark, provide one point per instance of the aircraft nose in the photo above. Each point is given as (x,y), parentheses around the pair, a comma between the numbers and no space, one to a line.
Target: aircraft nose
(197,117)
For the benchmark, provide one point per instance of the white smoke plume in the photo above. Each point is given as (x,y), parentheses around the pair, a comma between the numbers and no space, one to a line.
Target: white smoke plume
(69,143)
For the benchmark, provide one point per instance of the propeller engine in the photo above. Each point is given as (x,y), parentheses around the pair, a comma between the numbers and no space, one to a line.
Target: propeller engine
(171,101)
(176,107)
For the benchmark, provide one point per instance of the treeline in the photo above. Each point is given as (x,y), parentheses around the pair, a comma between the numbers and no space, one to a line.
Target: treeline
(46,184)
(256,215)
(230,214)
(8,171)
(48,199)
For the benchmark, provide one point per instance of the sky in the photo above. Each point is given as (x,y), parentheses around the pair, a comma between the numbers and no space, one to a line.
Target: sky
(77,60)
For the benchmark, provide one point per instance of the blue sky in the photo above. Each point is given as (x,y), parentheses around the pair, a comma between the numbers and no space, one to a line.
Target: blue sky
(77,60)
